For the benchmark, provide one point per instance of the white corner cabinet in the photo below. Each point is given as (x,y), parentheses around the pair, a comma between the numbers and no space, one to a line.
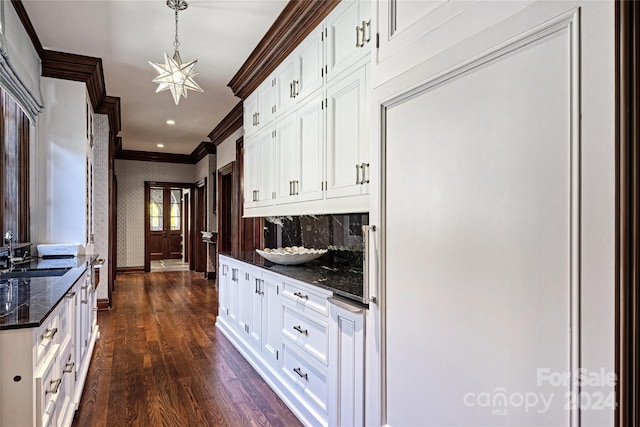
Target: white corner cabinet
(306,126)
(307,345)
(44,367)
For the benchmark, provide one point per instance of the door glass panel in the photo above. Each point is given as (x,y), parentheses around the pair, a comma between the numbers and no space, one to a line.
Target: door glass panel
(155,209)
(176,208)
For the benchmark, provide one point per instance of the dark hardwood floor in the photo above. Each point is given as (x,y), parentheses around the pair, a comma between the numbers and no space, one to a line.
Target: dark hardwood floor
(161,362)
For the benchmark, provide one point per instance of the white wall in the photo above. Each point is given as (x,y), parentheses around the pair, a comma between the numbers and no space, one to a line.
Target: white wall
(58,215)
(131,176)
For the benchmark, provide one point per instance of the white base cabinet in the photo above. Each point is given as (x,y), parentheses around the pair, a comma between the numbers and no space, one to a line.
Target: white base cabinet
(43,372)
(309,351)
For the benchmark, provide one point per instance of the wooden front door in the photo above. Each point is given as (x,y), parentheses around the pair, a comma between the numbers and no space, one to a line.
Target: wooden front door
(165,222)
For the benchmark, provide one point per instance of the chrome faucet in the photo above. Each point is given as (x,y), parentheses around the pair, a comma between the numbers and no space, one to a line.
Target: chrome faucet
(13,260)
(8,237)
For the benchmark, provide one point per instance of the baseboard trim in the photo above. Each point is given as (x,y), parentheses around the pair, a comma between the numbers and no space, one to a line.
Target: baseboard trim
(103,304)
(210,275)
(126,270)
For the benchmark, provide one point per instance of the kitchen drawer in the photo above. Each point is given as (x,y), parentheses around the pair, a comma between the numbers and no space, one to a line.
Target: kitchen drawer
(46,336)
(48,382)
(66,318)
(305,299)
(308,381)
(306,332)
(66,366)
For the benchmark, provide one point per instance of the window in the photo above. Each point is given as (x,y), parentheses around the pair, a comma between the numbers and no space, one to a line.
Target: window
(14,168)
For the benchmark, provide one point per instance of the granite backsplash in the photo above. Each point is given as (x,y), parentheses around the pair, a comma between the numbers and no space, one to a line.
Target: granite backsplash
(340,233)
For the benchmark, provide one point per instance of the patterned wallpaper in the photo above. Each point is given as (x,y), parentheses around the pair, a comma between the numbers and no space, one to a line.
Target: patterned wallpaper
(131,175)
(101,196)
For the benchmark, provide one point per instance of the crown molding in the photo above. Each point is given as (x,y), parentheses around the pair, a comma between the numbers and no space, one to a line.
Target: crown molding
(202,150)
(295,22)
(80,68)
(227,126)
(110,106)
(150,156)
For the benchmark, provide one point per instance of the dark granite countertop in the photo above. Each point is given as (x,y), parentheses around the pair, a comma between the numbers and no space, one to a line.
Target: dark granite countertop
(27,302)
(344,281)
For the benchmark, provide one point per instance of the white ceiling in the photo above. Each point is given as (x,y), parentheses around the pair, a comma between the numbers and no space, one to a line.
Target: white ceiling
(126,34)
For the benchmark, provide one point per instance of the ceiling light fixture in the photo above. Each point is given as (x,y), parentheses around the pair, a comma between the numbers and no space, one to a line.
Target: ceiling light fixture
(171,122)
(175,75)
(160,145)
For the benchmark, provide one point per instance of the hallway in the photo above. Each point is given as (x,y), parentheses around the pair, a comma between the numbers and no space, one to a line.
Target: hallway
(160,361)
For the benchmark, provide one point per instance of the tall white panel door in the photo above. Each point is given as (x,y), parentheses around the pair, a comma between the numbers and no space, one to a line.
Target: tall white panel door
(497,227)
(347,136)
(287,155)
(310,128)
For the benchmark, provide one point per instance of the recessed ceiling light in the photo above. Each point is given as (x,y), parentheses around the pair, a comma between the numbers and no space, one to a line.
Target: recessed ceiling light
(160,145)
(171,122)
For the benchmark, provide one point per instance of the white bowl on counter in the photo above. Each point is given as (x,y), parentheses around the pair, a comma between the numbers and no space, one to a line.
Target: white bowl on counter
(291,255)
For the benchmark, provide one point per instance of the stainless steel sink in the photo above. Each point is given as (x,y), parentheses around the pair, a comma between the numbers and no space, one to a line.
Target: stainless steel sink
(19,274)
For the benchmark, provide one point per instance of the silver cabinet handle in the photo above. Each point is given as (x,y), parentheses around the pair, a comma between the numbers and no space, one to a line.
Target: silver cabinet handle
(366,229)
(300,374)
(358,181)
(296,88)
(257,289)
(291,188)
(302,331)
(364,166)
(301,295)
(261,285)
(56,386)
(345,305)
(68,368)
(366,25)
(296,187)
(358,37)
(49,334)
(291,90)
(258,119)
(70,294)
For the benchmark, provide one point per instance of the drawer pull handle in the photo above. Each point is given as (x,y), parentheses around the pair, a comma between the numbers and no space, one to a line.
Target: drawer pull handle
(302,331)
(71,294)
(56,386)
(300,374)
(301,295)
(68,368)
(49,334)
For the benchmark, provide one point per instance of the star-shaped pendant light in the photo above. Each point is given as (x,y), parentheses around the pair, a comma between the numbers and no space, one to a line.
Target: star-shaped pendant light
(174,75)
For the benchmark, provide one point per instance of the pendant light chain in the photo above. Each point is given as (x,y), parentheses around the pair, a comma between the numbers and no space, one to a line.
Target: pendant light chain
(176,43)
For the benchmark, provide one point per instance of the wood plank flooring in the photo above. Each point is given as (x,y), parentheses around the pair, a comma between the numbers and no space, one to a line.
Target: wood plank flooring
(161,362)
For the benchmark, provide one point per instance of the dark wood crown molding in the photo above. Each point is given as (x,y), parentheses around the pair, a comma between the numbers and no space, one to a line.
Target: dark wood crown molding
(28,26)
(110,106)
(151,156)
(227,126)
(69,66)
(297,20)
(202,150)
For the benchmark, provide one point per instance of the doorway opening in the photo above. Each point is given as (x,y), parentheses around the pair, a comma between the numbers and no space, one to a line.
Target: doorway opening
(166,225)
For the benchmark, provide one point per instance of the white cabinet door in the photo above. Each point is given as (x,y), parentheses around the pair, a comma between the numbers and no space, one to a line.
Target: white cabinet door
(266,185)
(266,102)
(251,171)
(234,296)
(271,318)
(348,35)
(309,64)
(347,138)
(244,298)
(256,327)
(250,111)
(287,155)
(310,129)
(346,370)
(285,75)
(223,287)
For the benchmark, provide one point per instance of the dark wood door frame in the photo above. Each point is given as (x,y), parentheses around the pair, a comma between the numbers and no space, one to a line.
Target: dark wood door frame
(628,212)
(147,186)
(228,215)
(199,213)
(186,209)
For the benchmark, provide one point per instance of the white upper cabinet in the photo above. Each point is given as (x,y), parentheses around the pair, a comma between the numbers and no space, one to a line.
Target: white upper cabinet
(347,136)
(287,158)
(349,35)
(411,32)
(260,107)
(259,169)
(301,73)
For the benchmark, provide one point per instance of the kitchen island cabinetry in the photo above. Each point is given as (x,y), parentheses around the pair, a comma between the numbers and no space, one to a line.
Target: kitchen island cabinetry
(308,350)
(46,344)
